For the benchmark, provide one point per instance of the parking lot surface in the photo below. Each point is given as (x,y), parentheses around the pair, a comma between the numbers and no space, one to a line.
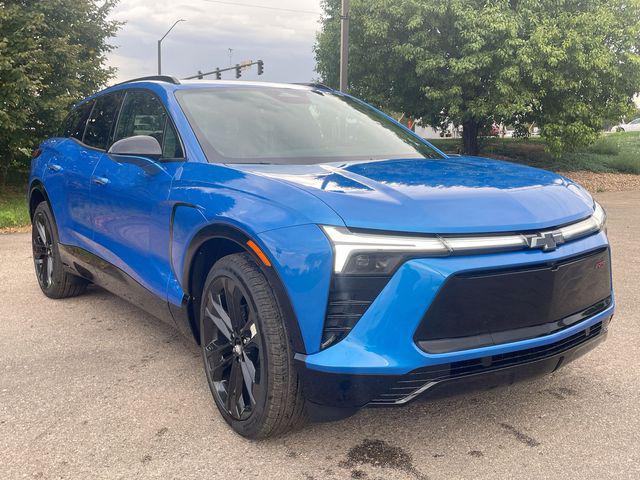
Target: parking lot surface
(92,387)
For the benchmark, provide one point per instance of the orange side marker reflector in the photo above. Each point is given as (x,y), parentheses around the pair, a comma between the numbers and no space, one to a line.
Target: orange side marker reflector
(259,252)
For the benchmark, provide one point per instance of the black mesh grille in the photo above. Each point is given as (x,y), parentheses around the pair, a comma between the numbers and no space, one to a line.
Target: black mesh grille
(485,308)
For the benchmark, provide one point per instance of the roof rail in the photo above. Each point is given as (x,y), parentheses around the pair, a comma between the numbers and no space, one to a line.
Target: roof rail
(314,85)
(157,78)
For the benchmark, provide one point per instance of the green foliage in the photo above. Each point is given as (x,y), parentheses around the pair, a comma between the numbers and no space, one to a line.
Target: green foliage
(614,153)
(581,61)
(566,65)
(13,209)
(52,53)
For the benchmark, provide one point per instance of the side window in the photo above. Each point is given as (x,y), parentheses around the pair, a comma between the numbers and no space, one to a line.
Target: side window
(102,119)
(77,120)
(143,114)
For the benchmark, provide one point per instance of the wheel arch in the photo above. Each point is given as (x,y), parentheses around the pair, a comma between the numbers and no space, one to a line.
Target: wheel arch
(210,244)
(37,194)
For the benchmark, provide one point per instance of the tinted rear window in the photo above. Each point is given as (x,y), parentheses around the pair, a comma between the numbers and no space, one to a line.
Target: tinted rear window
(103,117)
(77,121)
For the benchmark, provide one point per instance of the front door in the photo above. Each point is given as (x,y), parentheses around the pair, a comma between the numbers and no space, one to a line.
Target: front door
(131,211)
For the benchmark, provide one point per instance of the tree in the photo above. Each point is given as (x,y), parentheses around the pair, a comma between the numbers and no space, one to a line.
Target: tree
(473,62)
(52,54)
(581,62)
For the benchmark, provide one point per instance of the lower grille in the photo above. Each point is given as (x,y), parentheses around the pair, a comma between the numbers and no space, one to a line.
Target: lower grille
(479,309)
(416,382)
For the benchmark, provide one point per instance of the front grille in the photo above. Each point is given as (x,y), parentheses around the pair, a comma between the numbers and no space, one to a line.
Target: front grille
(484,308)
(413,383)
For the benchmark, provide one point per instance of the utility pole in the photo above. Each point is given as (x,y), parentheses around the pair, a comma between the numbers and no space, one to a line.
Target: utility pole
(344,46)
(160,45)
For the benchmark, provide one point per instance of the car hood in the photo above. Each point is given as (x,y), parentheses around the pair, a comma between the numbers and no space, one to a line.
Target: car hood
(449,195)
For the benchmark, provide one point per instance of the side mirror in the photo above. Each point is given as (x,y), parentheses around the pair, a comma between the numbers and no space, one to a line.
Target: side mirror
(138,145)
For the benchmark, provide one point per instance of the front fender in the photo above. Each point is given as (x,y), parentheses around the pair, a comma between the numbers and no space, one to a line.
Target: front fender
(300,273)
(303,257)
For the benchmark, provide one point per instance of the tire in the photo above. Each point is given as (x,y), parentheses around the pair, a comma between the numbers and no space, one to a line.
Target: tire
(246,351)
(619,129)
(54,281)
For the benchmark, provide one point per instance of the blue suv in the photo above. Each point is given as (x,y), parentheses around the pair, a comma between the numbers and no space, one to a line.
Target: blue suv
(325,257)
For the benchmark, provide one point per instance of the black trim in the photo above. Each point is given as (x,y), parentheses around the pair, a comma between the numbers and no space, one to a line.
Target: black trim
(316,85)
(349,298)
(488,372)
(234,234)
(151,78)
(345,391)
(100,272)
(38,185)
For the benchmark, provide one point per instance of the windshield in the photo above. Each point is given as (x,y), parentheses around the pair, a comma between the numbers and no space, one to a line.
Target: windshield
(293,126)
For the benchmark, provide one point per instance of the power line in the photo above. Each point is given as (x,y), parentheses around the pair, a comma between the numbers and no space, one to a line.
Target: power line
(290,10)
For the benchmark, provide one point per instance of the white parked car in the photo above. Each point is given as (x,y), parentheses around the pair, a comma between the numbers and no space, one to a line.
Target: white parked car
(632,126)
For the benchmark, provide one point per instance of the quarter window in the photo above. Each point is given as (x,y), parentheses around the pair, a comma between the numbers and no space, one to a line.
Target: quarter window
(102,119)
(143,114)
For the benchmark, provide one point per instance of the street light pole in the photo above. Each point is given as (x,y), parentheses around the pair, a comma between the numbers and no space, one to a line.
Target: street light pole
(160,45)
(344,46)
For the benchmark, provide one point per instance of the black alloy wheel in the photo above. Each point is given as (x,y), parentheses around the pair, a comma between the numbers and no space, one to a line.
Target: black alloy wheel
(232,347)
(42,241)
(248,357)
(54,281)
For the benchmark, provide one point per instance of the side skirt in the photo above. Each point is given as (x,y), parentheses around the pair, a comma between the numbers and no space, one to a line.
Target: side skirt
(102,273)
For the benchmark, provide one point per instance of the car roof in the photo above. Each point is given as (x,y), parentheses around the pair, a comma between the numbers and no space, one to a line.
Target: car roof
(171,84)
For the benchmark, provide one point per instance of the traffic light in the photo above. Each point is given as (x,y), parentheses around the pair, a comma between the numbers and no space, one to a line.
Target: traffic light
(218,74)
(238,71)
(260,67)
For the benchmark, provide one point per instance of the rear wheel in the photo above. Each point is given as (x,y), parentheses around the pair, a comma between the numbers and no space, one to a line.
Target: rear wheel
(52,278)
(247,356)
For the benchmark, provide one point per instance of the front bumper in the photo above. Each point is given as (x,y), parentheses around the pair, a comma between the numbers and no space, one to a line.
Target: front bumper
(354,391)
(381,353)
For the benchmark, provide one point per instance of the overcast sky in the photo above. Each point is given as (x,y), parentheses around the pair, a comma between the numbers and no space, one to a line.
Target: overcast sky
(284,40)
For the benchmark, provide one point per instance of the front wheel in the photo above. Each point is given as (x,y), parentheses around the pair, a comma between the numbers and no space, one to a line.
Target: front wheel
(246,351)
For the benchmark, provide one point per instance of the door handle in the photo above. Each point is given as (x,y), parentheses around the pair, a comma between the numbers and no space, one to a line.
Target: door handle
(55,168)
(100,180)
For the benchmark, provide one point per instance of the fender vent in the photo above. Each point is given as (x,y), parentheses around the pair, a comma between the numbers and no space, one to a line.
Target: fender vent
(349,299)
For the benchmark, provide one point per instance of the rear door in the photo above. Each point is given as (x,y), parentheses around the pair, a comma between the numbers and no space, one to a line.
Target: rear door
(131,211)
(67,180)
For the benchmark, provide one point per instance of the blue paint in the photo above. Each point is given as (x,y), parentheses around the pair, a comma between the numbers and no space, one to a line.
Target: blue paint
(144,220)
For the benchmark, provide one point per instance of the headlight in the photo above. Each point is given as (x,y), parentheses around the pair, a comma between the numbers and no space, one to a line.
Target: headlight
(364,253)
(594,223)
(358,253)
(368,253)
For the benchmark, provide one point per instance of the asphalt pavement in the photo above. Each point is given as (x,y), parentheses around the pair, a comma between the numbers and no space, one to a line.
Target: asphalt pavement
(92,387)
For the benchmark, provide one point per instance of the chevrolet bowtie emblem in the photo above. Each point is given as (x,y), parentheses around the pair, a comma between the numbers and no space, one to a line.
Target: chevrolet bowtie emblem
(547,241)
